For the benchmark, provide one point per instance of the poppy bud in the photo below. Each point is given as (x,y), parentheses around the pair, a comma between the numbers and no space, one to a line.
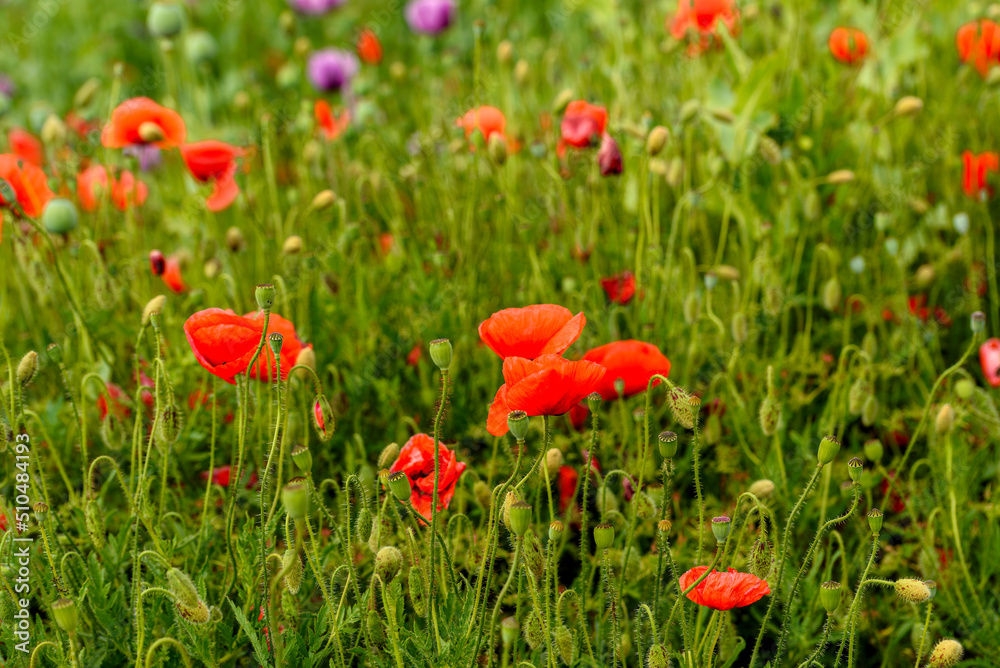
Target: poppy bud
(534,634)
(914,591)
(924,275)
(64,610)
(908,105)
(212,268)
(679,403)
(165,20)
(388,562)
(521,71)
(932,586)
(235,240)
(85,93)
(553,460)
(363,525)
(320,414)
(94,521)
(828,449)
(658,657)
(154,305)
(869,412)
(295,497)
(274,340)
(293,576)
(689,109)
(855,467)
(720,528)
(510,629)
(415,586)
(60,216)
(182,588)
(556,529)
(945,419)
(840,176)
(667,444)
(302,458)
(829,596)
(659,167)
(760,558)
(964,388)
(564,643)
(978,322)
(769,150)
(200,48)
(946,654)
(517,423)
(858,394)
(441,353)
(388,456)
(520,517)
(157,263)
(306,358)
(657,139)
(264,294)
(508,502)
(873,450)
(762,488)
(399,485)
(769,415)
(875,521)
(27,368)
(323,200)
(563,99)
(169,423)
(604,536)
(832,294)
(675,172)
(609,157)
(497,147)
(292,245)
(504,51)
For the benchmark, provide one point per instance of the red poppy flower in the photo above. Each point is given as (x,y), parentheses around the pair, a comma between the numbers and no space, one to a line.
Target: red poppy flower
(531,331)
(619,288)
(976,169)
(222,341)
(488,120)
(369,47)
(978,43)
(566,481)
(413,358)
(724,591)
(31,188)
(703,18)
(848,45)
(214,162)
(81,126)
(386,241)
(119,402)
(634,362)
(126,190)
(142,121)
(416,460)
(172,275)
(221,476)
(583,123)
(291,346)
(24,144)
(548,385)
(331,126)
(918,306)
(989,359)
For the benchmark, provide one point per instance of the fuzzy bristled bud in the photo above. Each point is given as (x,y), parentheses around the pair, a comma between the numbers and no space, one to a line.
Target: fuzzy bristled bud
(154,305)
(363,525)
(484,497)
(604,536)
(828,449)
(520,517)
(295,497)
(553,460)
(264,294)
(182,588)
(441,352)
(912,590)
(831,294)
(769,415)
(302,457)
(292,561)
(946,653)
(762,488)
(534,633)
(388,456)
(720,528)
(94,521)
(564,643)
(64,610)
(322,416)
(399,485)
(609,157)
(323,200)
(27,368)
(869,412)
(945,419)
(829,596)
(508,503)
(908,105)
(860,390)
(679,403)
(306,358)
(415,587)
(855,467)
(667,441)
(658,657)
(875,521)
(760,558)
(200,614)
(388,561)
(517,423)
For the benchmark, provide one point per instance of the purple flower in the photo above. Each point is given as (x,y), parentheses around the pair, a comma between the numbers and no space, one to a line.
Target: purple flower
(7,85)
(430,16)
(332,69)
(148,155)
(315,7)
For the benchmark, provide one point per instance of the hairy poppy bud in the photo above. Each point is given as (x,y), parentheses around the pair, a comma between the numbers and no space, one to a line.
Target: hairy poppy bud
(840,176)
(182,588)
(517,423)
(689,109)
(521,71)
(832,294)
(739,328)
(657,139)
(27,368)
(264,294)
(363,525)
(534,634)
(274,341)
(829,596)
(668,444)
(760,558)
(388,561)
(914,591)
(769,415)
(302,457)
(679,403)
(504,51)
(415,587)
(924,275)
(520,517)
(675,171)
(762,488)
(306,358)
(945,419)
(85,93)
(292,245)
(441,353)
(295,497)
(64,610)
(60,216)
(604,536)
(165,20)
(609,157)
(321,414)
(388,456)
(860,390)
(908,105)
(855,467)
(293,576)
(564,643)
(657,657)
(875,521)
(497,148)
(873,450)
(769,150)
(399,485)
(510,629)
(199,614)
(93,518)
(946,653)
(720,528)
(323,200)
(154,305)
(481,491)
(828,449)
(869,412)
(553,460)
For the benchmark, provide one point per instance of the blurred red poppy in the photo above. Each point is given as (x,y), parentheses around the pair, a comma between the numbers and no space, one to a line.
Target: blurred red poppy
(126,190)
(416,460)
(291,346)
(548,385)
(978,43)
(221,476)
(369,47)
(703,18)
(609,156)
(634,362)
(619,288)
(989,359)
(976,169)
(918,306)
(30,185)
(583,123)
(223,342)
(331,126)
(531,331)
(141,121)
(724,591)
(566,481)
(172,275)
(119,402)
(488,120)
(213,161)
(413,358)
(25,145)
(848,45)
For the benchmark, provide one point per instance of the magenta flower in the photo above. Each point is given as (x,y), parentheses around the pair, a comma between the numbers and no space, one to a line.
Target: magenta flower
(315,7)
(332,69)
(430,16)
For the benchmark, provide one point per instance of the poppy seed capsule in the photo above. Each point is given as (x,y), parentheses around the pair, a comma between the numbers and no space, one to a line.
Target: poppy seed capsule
(27,368)
(720,528)
(520,517)
(517,423)
(604,536)
(388,561)
(274,340)
(594,401)
(829,596)
(510,629)
(914,591)
(664,526)
(399,485)
(946,653)
(295,497)
(154,305)
(388,456)
(60,216)
(165,20)
(64,610)
(875,521)
(657,140)
(264,294)
(945,419)
(302,458)
(873,450)
(667,444)
(828,449)
(556,529)
(978,322)
(441,353)
(855,467)
(40,509)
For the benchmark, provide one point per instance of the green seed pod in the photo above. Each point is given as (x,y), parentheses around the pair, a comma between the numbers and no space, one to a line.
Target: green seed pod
(828,449)
(873,450)
(657,657)
(41,509)
(64,610)
(564,644)
(720,528)
(295,497)
(60,216)
(302,457)
(363,525)
(27,368)
(399,485)
(855,467)
(293,577)
(388,456)
(667,441)
(912,590)
(517,422)
(200,47)
(441,352)
(165,20)
(875,521)
(510,629)
(760,558)
(832,294)
(869,412)
(94,520)
(388,561)
(264,294)
(556,529)
(415,587)
(604,536)
(946,654)
(829,596)
(533,631)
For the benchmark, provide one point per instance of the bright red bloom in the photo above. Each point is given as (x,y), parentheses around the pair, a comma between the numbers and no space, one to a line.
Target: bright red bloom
(172,275)
(548,385)
(141,112)
(619,288)
(848,45)
(126,190)
(291,346)
(416,460)
(978,43)
(488,120)
(31,188)
(989,359)
(531,331)
(213,161)
(724,591)
(25,145)
(369,47)
(221,476)
(703,17)
(413,358)
(634,362)
(223,342)
(583,123)
(976,169)
(331,126)
(566,481)
(386,241)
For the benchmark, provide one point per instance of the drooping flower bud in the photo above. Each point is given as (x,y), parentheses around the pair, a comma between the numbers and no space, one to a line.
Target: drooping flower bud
(873,450)
(415,587)
(667,441)
(840,176)
(520,517)
(762,489)
(869,412)
(322,413)
(496,146)
(363,525)
(27,368)
(165,19)
(564,643)
(946,653)
(828,449)
(306,358)
(64,610)
(182,588)
(534,633)
(720,528)
(860,390)
(295,497)
(760,558)
(553,460)
(657,657)
(441,353)
(604,536)
(388,456)
(875,521)
(831,294)
(908,105)
(679,403)
(388,562)
(264,294)
(399,485)
(609,157)
(293,576)
(912,590)
(829,596)
(517,422)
